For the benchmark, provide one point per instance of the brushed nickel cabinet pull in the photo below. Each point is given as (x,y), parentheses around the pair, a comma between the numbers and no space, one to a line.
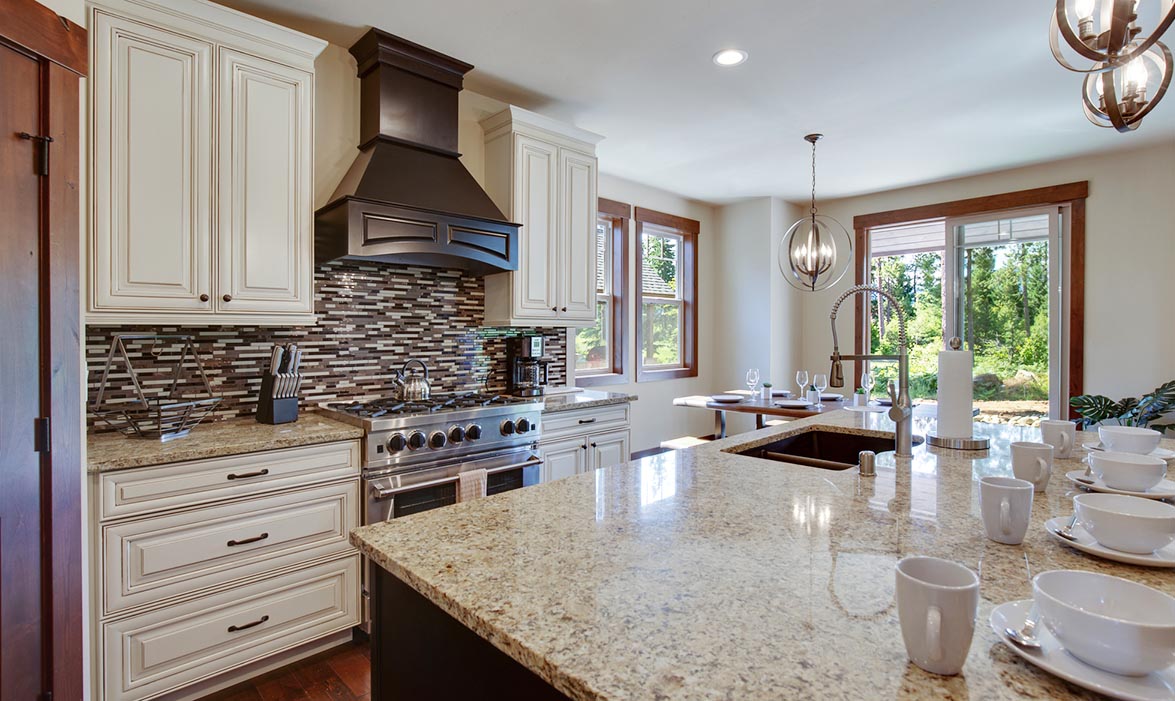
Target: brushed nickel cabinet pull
(247,626)
(246,541)
(247,475)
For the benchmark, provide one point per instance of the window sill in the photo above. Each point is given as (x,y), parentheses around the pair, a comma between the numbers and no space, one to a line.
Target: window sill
(651,375)
(601,379)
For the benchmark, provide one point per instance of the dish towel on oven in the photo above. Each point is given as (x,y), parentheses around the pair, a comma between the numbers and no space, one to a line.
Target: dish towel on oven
(471,485)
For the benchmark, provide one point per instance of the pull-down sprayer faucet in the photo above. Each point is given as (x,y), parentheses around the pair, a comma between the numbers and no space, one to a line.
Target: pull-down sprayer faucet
(901,412)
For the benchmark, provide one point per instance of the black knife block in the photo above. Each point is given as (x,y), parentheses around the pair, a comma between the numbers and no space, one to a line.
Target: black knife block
(275,411)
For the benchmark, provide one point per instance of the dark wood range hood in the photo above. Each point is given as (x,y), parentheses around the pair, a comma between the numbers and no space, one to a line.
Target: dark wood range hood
(407,198)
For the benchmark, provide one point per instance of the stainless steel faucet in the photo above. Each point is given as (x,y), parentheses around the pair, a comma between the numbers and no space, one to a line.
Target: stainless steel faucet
(901,412)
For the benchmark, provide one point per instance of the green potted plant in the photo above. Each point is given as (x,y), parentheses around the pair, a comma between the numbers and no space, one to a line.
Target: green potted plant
(766,392)
(1154,410)
(860,397)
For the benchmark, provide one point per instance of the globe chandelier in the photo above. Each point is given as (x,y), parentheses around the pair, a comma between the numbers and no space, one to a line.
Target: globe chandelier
(816,251)
(1127,72)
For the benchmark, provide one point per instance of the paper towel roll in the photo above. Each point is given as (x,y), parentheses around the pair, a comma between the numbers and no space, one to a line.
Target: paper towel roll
(954,394)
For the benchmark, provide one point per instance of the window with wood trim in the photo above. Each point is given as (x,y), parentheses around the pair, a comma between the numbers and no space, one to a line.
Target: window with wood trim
(666,296)
(600,349)
(1004,273)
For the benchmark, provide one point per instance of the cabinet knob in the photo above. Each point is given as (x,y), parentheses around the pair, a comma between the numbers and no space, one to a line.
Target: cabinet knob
(554,309)
(564,308)
(203,298)
(593,445)
(227,298)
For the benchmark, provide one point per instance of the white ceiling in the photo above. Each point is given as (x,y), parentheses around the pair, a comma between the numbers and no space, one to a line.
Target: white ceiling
(907,91)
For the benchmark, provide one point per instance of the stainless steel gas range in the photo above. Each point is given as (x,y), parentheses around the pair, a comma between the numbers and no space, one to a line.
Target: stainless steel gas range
(414,450)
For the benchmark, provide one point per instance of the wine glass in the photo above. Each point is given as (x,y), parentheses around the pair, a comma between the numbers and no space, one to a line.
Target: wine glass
(802,381)
(867,383)
(752,380)
(821,382)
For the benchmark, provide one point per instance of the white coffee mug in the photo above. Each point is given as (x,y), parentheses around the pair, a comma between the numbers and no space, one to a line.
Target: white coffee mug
(1061,435)
(1033,462)
(1006,506)
(937,600)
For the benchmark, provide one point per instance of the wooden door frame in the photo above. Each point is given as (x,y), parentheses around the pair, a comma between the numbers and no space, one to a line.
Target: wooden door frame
(1071,194)
(62,50)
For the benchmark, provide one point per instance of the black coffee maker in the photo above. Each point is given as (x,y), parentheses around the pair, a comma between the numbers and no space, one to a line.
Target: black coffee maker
(526,366)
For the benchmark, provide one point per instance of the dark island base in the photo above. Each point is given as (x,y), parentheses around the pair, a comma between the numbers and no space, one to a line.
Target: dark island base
(421,653)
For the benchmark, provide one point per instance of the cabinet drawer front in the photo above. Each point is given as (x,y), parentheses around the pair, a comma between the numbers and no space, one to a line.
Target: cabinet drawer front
(154,558)
(158,651)
(149,489)
(566,423)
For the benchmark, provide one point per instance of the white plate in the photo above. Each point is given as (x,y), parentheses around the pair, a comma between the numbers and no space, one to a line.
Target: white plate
(793,404)
(1160,453)
(1052,658)
(831,397)
(1163,490)
(884,401)
(1086,544)
(781,393)
(871,409)
(727,398)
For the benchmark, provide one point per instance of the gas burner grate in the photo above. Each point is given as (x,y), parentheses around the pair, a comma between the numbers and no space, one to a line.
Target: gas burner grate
(395,407)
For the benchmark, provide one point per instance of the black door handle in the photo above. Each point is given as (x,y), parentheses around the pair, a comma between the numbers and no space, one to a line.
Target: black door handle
(246,541)
(247,626)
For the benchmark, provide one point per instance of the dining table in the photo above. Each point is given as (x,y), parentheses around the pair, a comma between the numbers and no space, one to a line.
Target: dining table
(753,403)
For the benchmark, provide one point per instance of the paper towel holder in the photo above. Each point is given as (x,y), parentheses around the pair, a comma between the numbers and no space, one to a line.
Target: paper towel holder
(969,443)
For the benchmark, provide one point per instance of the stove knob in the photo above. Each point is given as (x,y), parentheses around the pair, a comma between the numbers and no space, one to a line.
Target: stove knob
(473,431)
(416,441)
(397,442)
(507,427)
(522,426)
(437,440)
(456,434)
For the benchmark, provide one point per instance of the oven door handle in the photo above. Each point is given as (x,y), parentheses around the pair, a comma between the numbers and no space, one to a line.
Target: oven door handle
(387,493)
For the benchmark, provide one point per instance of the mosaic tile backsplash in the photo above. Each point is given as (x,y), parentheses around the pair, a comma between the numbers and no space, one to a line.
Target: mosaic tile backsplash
(372,317)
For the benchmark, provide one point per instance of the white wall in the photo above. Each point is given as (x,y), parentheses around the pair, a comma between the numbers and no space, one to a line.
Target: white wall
(654,418)
(758,314)
(1130,259)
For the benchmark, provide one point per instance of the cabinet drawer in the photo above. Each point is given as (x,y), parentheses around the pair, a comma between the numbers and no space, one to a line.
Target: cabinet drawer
(158,651)
(564,423)
(140,491)
(154,558)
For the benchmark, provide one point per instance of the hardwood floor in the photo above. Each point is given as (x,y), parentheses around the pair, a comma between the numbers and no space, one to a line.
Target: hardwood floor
(339,674)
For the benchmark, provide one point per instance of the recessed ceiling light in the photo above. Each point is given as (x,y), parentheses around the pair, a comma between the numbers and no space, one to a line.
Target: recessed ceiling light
(730,57)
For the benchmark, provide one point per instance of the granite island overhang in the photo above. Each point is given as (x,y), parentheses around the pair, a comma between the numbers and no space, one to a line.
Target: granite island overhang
(702,574)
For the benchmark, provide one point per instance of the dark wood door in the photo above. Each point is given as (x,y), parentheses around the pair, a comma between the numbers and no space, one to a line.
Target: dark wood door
(21,605)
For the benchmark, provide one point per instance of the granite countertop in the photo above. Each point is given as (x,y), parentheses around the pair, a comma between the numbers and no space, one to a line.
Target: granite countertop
(584,400)
(114,451)
(699,574)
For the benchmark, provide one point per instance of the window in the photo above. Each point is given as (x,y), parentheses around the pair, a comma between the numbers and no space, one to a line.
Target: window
(1003,273)
(667,288)
(600,349)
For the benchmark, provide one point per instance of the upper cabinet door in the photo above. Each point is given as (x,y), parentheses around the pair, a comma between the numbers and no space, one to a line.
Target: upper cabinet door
(264,179)
(535,205)
(577,182)
(151,239)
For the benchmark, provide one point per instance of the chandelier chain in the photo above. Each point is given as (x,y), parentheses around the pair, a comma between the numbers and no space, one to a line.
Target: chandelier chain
(813,210)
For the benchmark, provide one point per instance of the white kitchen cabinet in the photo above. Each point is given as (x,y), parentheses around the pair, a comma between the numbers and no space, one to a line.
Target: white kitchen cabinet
(201,166)
(584,440)
(542,174)
(608,449)
(202,567)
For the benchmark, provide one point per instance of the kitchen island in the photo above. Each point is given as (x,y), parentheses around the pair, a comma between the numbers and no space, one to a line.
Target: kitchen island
(701,574)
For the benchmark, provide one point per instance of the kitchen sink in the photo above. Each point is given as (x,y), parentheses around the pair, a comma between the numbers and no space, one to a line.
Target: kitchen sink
(828,450)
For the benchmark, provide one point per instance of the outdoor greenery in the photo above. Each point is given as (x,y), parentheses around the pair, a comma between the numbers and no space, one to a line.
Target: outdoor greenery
(1005,300)
(1155,410)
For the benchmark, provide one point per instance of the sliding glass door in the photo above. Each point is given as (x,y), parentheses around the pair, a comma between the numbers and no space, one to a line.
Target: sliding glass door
(1005,274)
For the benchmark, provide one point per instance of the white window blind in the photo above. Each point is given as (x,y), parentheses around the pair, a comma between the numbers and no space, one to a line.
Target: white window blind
(902,239)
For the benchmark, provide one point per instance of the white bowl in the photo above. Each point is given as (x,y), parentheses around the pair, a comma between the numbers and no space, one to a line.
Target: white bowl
(1129,439)
(1108,622)
(1127,471)
(1129,524)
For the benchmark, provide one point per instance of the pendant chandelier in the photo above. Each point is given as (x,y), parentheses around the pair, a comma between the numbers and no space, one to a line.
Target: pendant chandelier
(1127,72)
(816,251)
